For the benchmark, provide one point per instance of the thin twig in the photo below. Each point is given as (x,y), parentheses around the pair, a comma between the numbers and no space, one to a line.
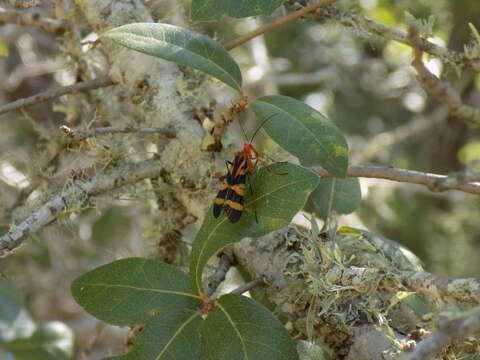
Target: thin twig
(82,135)
(23,4)
(245,287)
(361,22)
(280,22)
(52,26)
(448,331)
(455,179)
(76,194)
(401,175)
(442,89)
(224,265)
(52,94)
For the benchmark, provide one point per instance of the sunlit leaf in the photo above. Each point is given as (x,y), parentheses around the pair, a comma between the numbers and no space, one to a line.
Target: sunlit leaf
(279,192)
(182,46)
(129,291)
(204,10)
(248,331)
(345,198)
(50,341)
(304,132)
(172,335)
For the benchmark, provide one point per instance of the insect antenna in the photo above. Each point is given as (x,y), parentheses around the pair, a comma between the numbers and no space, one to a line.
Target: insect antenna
(260,126)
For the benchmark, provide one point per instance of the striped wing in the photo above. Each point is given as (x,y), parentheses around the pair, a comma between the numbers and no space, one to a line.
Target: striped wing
(232,191)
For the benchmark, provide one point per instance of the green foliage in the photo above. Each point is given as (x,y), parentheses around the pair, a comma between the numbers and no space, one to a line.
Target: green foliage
(279,192)
(182,46)
(205,10)
(50,341)
(248,331)
(170,335)
(129,291)
(304,132)
(340,195)
(175,328)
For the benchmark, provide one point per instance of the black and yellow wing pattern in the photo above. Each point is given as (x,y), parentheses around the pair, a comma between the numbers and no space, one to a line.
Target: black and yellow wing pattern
(232,191)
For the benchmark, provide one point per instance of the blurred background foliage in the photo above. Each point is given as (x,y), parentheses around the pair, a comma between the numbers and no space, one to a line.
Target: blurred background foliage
(362,82)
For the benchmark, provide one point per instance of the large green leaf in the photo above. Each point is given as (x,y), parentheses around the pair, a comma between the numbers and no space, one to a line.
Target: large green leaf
(182,46)
(171,335)
(248,331)
(15,321)
(343,194)
(51,341)
(205,10)
(304,132)
(279,192)
(129,291)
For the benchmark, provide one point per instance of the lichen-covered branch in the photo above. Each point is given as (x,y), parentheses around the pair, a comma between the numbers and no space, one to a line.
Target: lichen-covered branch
(82,135)
(369,26)
(442,89)
(52,26)
(448,331)
(403,175)
(448,290)
(52,94)
(78,192)
(23,4)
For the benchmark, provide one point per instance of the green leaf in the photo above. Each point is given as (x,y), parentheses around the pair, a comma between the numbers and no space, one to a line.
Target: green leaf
(205,10)
(51,341)
(304,132)
(345,199)
(15,321)
(248,331)
(182,46)
(172,335)
(129,291)
(279,192)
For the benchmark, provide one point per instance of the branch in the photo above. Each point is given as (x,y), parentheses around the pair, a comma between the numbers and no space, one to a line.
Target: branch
(224,265)
(386,32)
(247,286)
(449,290)
(80,191)
(455,179)
(23,4)
(441,89)
(280,22)
(82,135)
(53,26)
(402,175)
(439,288)
(52,94)
(448,331)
